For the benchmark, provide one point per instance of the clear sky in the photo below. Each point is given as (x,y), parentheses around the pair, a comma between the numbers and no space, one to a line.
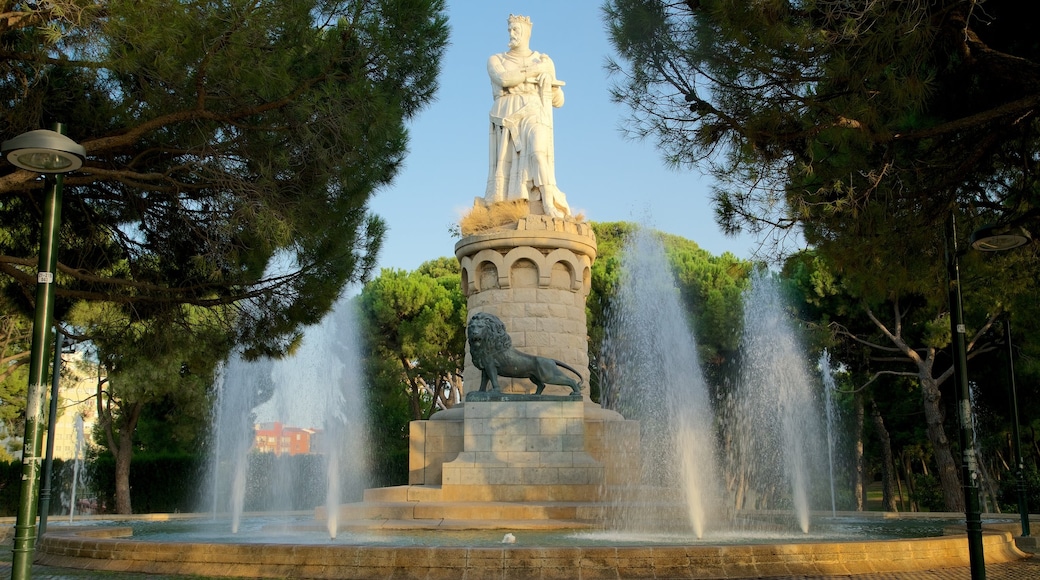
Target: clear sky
(605,176)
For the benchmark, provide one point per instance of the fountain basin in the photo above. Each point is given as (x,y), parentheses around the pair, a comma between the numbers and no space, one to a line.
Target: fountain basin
(113,548)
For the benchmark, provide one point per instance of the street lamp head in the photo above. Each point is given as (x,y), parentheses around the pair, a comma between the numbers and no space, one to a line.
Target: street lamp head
(44,151)
(994,238)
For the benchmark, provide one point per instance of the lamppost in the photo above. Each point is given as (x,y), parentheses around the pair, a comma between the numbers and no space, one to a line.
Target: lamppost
(52,154)
(969,464)
(1016,440)
(990,240)
(52,417)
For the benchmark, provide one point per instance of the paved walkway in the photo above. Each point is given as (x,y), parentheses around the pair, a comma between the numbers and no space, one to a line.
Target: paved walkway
(1027,569)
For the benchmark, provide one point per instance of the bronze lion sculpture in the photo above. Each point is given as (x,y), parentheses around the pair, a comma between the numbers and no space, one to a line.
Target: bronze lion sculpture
(492,352)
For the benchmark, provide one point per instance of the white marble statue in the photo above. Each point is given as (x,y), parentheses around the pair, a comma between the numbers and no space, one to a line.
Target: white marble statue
(525,89)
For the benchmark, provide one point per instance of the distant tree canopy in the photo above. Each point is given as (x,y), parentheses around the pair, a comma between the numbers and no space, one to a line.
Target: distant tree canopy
(231,148)
(415,325)
(711,289)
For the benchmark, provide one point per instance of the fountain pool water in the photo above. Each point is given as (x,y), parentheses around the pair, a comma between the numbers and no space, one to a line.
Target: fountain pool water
(270,548)
(303,530)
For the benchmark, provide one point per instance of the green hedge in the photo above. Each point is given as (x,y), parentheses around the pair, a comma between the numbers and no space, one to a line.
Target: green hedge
(159,483)
(11,485)
(172,483)
(1009,492)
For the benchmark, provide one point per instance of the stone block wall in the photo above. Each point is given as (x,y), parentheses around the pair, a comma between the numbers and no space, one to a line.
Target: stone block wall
(431,444)
(523,451)
(485,448)
(615,444)
(535,278)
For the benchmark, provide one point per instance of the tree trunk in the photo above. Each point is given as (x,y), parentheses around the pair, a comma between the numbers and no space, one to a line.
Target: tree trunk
(414,389)
(908,475)
(857,486)
(946,467)
(120,442)
(899,490)
(123,455)
(949,478)
(888,489)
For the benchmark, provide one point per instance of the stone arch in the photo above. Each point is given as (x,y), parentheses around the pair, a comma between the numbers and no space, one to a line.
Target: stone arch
(464,266)
(477,262)
(532,255)
(570,261)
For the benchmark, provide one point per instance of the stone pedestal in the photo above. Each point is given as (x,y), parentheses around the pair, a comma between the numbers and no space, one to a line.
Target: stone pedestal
(535,278)
(527,450)
(553,449)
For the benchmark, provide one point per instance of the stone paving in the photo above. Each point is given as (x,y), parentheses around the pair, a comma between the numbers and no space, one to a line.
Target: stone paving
(1027,569)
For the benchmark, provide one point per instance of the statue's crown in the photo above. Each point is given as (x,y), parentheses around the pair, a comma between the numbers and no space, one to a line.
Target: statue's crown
(525,20)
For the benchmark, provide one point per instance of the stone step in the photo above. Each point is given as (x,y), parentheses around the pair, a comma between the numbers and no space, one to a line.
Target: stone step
(403,493)
(447,524)
(476,511)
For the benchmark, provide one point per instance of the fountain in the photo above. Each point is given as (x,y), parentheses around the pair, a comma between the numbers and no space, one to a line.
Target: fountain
(829,387)
(77,461)
(650,374)
(771,422)
(775,417)
(320,386)
(546,472)
(416,531)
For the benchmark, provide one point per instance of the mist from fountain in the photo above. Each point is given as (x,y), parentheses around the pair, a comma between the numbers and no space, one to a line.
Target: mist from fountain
(650,373)
(318,386)
(77,462)
(777,439)
(240,386)
(338,350)
(828,390)
(770,422)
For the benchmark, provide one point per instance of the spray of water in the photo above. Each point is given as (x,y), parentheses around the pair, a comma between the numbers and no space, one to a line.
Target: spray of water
(651,374)
(828,390)
(777,416)
(320,387)
(344,417)
(240,386)
(76,463)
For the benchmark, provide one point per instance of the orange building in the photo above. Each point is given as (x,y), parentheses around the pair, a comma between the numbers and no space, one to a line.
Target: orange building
(280,440)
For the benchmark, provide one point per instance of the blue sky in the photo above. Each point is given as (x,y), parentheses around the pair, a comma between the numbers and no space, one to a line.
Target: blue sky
(604,175)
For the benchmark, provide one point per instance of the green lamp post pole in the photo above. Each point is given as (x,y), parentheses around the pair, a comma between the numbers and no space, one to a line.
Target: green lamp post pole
(969,465)
(25,523)
(52,416)
(1016,441)
(50,153)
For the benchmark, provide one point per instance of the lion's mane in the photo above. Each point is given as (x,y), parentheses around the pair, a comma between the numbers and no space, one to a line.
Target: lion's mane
(496,339)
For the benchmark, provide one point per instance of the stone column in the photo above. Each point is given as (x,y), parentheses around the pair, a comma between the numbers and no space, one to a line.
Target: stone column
(535,278)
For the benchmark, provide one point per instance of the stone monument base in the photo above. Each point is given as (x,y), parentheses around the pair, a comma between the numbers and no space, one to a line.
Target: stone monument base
(523,448)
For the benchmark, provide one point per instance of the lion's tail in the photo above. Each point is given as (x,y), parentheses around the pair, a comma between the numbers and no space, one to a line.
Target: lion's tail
(581,380)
